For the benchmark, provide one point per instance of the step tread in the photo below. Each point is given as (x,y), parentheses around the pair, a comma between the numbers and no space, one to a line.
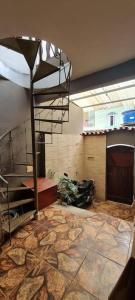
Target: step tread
(44,143)
(13,189)
(16,175)
(50,121)
(44,69)
(59,89)
(52,107)
(30,153)
(4,206)
(45,132)
(50,98)
(18,221)
(24,164)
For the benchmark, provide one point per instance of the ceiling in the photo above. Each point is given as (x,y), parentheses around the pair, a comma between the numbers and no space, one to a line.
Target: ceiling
(94,34)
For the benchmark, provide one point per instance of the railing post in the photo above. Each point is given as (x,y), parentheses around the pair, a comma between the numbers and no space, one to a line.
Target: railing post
(11,150)
(7,197)
(9,215)
(34,156)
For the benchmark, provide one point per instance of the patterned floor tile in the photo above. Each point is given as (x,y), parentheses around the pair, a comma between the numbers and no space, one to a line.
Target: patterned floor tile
(69,254)
(77,292)
(79,295)
(43,283)
(119,210)
(112,247)
(11,275)
(98,275)
(87,238)
(14,266)
(68,265)
(95,222)
(3,296)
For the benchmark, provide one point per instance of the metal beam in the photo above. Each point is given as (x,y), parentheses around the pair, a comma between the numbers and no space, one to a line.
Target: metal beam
(111,102)
(104,92)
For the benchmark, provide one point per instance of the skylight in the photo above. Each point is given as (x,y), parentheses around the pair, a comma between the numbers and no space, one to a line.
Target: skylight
(120,94)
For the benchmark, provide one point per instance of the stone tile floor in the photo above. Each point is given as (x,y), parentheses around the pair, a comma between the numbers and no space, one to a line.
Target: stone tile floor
(69,254)
(118,210)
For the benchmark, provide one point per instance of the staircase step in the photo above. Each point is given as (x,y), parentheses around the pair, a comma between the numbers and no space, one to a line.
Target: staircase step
(44,143)
(18,221)
(44,69)
(53,107)
(4,206)
(16,175)
(56,60)
(56,90)
(47,132)
(44,132)
(50,98)
(50,121)
(30,153)
(13,189)
(24,164)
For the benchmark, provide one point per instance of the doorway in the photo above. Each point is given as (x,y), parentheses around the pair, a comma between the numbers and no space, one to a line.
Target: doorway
(120,173)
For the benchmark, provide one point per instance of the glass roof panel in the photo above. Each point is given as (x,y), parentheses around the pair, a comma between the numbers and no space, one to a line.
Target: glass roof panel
(107,95)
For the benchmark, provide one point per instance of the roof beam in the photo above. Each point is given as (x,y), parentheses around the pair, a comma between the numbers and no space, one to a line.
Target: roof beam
(111,102)
(118,73)
(104,92)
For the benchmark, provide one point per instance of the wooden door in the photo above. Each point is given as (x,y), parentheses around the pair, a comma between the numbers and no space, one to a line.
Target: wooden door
(120,170)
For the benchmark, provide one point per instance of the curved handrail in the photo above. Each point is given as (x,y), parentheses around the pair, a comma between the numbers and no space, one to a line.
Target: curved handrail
(8,208)
(14,128)
(5,134)
(3,180)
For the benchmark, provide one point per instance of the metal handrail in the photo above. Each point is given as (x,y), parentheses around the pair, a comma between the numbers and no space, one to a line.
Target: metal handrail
(23,125)
(5,134)
(6,182)
(3,180)
(14,128)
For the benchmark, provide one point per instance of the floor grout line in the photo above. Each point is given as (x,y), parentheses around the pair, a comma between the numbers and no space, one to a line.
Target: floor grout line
(76,273)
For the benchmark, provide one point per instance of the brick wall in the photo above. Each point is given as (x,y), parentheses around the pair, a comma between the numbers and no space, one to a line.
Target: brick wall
(80,157)
(95,162)
(65,154)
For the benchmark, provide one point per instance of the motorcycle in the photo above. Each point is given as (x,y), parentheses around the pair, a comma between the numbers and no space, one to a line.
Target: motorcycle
(76,193)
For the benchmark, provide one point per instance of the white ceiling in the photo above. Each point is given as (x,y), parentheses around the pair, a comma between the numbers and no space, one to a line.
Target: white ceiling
(94,34)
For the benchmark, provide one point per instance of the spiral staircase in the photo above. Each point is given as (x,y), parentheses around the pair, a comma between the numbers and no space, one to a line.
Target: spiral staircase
(48,79)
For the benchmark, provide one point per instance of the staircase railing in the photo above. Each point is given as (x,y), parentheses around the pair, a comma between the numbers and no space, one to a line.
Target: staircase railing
(43,70)
(4,181)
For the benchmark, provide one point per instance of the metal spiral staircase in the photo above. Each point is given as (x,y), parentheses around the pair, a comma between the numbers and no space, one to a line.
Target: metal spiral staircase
(49,107)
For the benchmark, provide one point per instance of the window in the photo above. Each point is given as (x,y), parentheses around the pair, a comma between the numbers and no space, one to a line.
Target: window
(111,119)
(89,118)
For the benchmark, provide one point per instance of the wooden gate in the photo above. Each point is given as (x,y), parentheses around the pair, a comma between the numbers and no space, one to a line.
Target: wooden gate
(120,174)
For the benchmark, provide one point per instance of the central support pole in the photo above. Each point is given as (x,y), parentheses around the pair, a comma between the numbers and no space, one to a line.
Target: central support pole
(34,156)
